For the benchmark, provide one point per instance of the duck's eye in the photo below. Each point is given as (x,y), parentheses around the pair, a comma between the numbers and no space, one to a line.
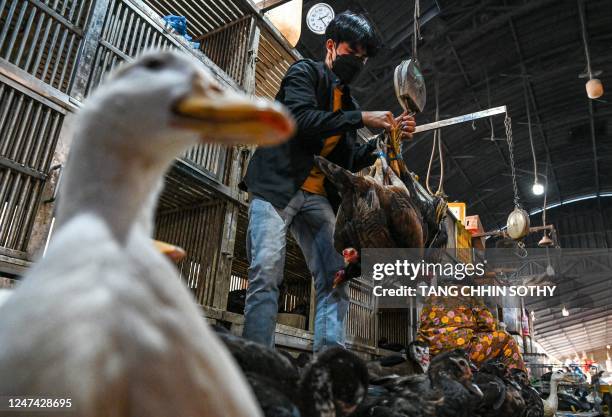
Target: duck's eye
(153,64)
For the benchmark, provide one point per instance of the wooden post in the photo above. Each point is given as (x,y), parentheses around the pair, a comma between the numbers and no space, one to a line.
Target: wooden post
(313,307)
(252,51)
(230,221)
(376,318)
(87,53)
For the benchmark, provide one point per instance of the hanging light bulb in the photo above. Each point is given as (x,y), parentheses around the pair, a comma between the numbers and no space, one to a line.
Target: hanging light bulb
(594,88)
(565,312)
(537,189)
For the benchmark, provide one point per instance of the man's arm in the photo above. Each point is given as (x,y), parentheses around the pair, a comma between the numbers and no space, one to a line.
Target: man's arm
(300,90)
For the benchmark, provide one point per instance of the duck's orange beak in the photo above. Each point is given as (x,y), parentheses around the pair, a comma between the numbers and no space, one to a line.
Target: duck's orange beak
(224,115)
(174,253)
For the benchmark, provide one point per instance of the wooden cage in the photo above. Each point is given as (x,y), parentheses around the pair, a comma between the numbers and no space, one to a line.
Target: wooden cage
(54,53)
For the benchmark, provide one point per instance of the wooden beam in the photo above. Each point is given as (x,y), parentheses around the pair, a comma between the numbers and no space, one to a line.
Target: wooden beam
(267,5)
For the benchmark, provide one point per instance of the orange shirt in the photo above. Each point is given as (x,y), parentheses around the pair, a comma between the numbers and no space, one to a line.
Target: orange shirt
(314,182)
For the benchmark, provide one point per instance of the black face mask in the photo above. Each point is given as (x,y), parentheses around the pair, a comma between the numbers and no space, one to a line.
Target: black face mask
(346,67)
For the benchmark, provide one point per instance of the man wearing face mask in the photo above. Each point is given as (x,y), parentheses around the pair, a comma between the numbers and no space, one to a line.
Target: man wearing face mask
(289,193)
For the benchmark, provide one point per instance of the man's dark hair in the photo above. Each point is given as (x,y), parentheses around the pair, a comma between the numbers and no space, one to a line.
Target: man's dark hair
(354,29)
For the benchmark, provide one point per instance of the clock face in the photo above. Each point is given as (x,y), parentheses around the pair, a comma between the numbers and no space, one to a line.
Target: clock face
(318,17)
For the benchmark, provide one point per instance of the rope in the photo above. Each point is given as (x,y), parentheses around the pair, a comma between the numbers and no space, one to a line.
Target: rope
(437,142)
(416,29)
(533,154)
(489,101)
(545,194)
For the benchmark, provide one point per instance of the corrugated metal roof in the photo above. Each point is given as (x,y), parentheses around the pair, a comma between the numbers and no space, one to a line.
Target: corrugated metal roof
(470,44)
(488,53)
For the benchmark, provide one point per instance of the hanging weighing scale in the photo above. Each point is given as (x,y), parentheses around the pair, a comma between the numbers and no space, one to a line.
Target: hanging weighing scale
(517,225)
(411,93)
(408,79)
(409,86)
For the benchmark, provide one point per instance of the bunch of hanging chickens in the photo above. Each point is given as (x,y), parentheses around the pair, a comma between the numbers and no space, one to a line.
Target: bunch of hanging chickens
(383,209)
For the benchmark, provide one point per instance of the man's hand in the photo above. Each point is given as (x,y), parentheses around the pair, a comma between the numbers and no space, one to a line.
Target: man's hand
(407,124)
(378,119)
(385,120)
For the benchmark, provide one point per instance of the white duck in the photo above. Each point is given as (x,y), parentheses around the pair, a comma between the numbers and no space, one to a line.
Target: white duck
(552,402)
(4,295)
(104,319)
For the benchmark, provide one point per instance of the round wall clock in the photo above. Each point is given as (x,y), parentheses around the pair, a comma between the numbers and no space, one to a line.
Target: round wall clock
(318,17)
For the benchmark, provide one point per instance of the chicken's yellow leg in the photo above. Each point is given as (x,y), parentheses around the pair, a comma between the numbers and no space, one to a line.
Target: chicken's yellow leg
(396,163)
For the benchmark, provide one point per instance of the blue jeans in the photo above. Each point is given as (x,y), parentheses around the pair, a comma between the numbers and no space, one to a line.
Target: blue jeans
(311,220)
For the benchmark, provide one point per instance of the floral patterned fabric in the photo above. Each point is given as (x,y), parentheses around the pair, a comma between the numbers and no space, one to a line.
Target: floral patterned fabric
(447,324)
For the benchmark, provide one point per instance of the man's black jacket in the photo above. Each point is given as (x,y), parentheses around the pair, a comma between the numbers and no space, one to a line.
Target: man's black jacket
(277,173)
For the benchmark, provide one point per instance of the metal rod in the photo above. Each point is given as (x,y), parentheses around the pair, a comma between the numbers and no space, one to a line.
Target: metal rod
(62,77)
(17,142)
(34,40)
(28,219)
(9,18)
(503,232)
(11,42)
(461,119)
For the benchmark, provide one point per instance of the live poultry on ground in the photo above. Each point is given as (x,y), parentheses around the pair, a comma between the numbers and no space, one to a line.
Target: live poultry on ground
(502,395)
(534,407)
(551,403)
(411,361)
(446,390)
(332,384)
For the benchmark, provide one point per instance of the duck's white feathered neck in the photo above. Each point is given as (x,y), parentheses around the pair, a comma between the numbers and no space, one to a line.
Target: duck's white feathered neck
(117,179)
(552,400)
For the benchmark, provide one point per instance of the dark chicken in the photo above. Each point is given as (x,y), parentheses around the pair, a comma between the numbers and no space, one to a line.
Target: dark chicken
(502,395)
(272,376)
(333,384)
(414,361)
(445,391)
(494,393)
(533,402)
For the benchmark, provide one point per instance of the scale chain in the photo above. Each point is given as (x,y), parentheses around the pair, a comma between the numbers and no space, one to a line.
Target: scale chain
(508,125)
